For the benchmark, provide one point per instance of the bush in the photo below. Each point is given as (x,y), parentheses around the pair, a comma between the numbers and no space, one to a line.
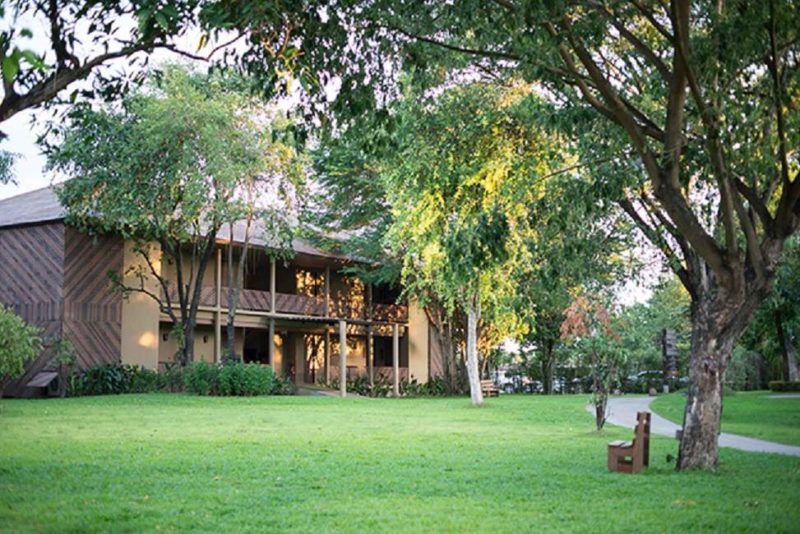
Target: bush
(246,380)
(202,378)
(171,378)
(114,379)
(19,342)
(143,380)
(284,386)
(231,378)
(382,386)
(783,386)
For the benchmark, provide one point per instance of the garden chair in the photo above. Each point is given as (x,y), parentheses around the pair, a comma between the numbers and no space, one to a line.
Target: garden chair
(632,456)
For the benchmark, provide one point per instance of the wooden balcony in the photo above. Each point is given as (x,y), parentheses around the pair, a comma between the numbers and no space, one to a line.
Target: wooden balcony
(390,313)
(256,300)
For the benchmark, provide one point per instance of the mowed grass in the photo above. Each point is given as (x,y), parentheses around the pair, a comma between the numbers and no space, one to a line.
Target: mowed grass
(520,463)
(749,413)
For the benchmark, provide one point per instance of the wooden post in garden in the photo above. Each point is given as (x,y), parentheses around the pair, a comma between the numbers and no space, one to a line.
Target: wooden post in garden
(327,354)
(271,347)
(272,285)
(370,355)
(343,358)
(327,291)
(218,308)
(396,360)
(271,344)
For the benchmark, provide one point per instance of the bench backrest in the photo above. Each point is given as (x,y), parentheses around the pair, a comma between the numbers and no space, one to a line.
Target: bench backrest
(641,436)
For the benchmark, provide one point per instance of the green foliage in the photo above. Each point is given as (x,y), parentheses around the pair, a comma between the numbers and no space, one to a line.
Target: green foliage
(202,378)
(172,377)
(459,183)
(47,47)
(382,386)
(7,160)
(783,307)
(114,379)
(231,379)
(641,326)
(19,343)
(284,385)
(783,386)
(246,380)
(168,168)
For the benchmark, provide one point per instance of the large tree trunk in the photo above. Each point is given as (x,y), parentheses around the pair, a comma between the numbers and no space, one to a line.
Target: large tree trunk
(716,328)
(788,351)
(472,354)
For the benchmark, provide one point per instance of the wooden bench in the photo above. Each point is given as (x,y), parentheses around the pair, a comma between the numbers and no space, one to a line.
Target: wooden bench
(488,389)
(632,456)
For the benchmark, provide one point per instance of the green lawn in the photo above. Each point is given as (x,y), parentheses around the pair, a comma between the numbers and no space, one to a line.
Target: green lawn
(749,413)
(521,463)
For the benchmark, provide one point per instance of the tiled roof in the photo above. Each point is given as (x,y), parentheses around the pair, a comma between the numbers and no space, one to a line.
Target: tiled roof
(30,208)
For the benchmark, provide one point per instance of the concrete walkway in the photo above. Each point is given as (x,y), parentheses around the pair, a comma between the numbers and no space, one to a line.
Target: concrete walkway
(623,413)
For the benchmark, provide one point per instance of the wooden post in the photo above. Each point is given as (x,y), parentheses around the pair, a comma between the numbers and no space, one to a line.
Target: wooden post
(370,354)
(327,354)
(327,291)
(343,358)
(396,359)
(218,306)
(370,357)
(272,285)
(271,347)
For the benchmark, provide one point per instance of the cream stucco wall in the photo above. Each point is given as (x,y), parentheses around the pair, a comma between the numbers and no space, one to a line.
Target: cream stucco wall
(417,342)
(139,331)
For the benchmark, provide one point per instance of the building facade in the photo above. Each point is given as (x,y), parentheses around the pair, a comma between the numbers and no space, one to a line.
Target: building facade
(303,317)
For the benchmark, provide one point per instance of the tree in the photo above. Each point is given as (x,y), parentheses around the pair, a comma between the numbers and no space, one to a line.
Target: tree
(580,241)
(588,323)
(697,104)
(457,184)
(641,325)
(162,171)
(265,202)
(19,343)
(81,38)
(773,333)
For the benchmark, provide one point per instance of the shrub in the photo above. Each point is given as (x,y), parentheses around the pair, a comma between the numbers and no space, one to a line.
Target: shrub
(382,386)
(783,386)
(113,379)
(284,386)
(171,378)
(143,380)
(201,378)
(246,379)
(19,342)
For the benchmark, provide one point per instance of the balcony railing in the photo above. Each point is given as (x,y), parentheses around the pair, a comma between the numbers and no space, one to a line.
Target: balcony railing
(257,300)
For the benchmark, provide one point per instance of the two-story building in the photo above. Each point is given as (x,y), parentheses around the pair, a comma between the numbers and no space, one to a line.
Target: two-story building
(302,316)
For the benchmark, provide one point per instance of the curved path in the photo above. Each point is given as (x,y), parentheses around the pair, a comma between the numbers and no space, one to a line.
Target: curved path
(623,413)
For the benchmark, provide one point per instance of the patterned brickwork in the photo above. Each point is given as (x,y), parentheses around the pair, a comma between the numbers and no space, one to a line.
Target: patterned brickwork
(31,282)
(92,311)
